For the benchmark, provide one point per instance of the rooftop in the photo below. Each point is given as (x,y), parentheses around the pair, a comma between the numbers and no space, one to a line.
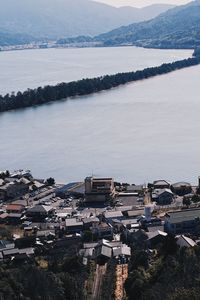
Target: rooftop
(40,209)
(184,215)
(161,182)
(16,207)
(186,240)
(113,214)
(73,222)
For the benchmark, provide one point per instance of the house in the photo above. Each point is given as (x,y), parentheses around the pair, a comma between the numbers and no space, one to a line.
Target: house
(6,245)
(103,230)
(161,184)
(14,188)
(15,208)
(120,225)
(14,218)
(46,234)
(103,250)
(18,253)
(40,212)
(3,217)
(163,196)
(21,173)
(110,215)
(138,213)
(136,236)
(122,250)
(73,225)
(184,221)
(156,237)
(90,222)
(135,189)
(181,188)
(36,185)
(184,241)
(99,189)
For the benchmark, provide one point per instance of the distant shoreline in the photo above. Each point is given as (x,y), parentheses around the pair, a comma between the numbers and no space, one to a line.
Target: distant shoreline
(73,46)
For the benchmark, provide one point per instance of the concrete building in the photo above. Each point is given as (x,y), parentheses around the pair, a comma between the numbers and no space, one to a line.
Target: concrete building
(185,221)
(99,189)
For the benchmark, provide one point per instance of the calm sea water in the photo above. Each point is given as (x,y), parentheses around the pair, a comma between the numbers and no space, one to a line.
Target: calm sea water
(32,68)
(136,133)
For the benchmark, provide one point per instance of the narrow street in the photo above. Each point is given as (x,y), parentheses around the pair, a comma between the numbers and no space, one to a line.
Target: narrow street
(96,290)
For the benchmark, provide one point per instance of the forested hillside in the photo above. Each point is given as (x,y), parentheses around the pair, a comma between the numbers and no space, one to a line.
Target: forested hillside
(170,274)
(66,18)
(177,28)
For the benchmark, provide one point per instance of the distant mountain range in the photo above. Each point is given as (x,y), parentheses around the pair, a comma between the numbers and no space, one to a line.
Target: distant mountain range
(55,19)
(177,28)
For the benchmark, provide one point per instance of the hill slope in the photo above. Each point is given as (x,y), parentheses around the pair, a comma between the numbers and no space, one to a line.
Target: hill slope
(66,18)
(10,39)
(177,28)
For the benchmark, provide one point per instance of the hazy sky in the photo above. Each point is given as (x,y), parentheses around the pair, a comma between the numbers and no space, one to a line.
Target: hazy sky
(140,3)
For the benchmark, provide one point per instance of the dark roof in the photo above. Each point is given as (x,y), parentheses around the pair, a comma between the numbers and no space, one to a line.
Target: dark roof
(181,184)
(159,192)
(40,209)
(160,182)
(183,215)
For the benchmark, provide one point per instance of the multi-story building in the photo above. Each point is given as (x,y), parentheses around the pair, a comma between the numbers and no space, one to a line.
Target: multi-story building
(184,221)
(99,189)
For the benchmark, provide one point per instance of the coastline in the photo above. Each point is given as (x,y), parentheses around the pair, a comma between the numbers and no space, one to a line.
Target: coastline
(46,94)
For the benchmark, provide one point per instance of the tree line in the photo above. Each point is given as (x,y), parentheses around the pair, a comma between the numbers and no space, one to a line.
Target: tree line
(41,95)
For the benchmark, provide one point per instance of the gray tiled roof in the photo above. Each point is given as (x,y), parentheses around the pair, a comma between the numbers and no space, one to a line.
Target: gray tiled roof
(40,209)
(184,215)
(73,222)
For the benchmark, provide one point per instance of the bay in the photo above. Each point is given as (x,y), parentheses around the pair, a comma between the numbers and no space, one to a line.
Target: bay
(137,133)
(33,68)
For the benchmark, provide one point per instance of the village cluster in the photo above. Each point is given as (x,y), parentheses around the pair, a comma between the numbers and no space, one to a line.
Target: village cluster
(100,216)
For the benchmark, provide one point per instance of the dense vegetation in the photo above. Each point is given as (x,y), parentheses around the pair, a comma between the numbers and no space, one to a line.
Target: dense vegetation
(10,39)
(197,52)
(176,28)
(60,91)
(66,18)
(170,273)
(43,278)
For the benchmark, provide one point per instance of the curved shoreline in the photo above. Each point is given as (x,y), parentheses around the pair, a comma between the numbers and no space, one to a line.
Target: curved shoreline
(41,95)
